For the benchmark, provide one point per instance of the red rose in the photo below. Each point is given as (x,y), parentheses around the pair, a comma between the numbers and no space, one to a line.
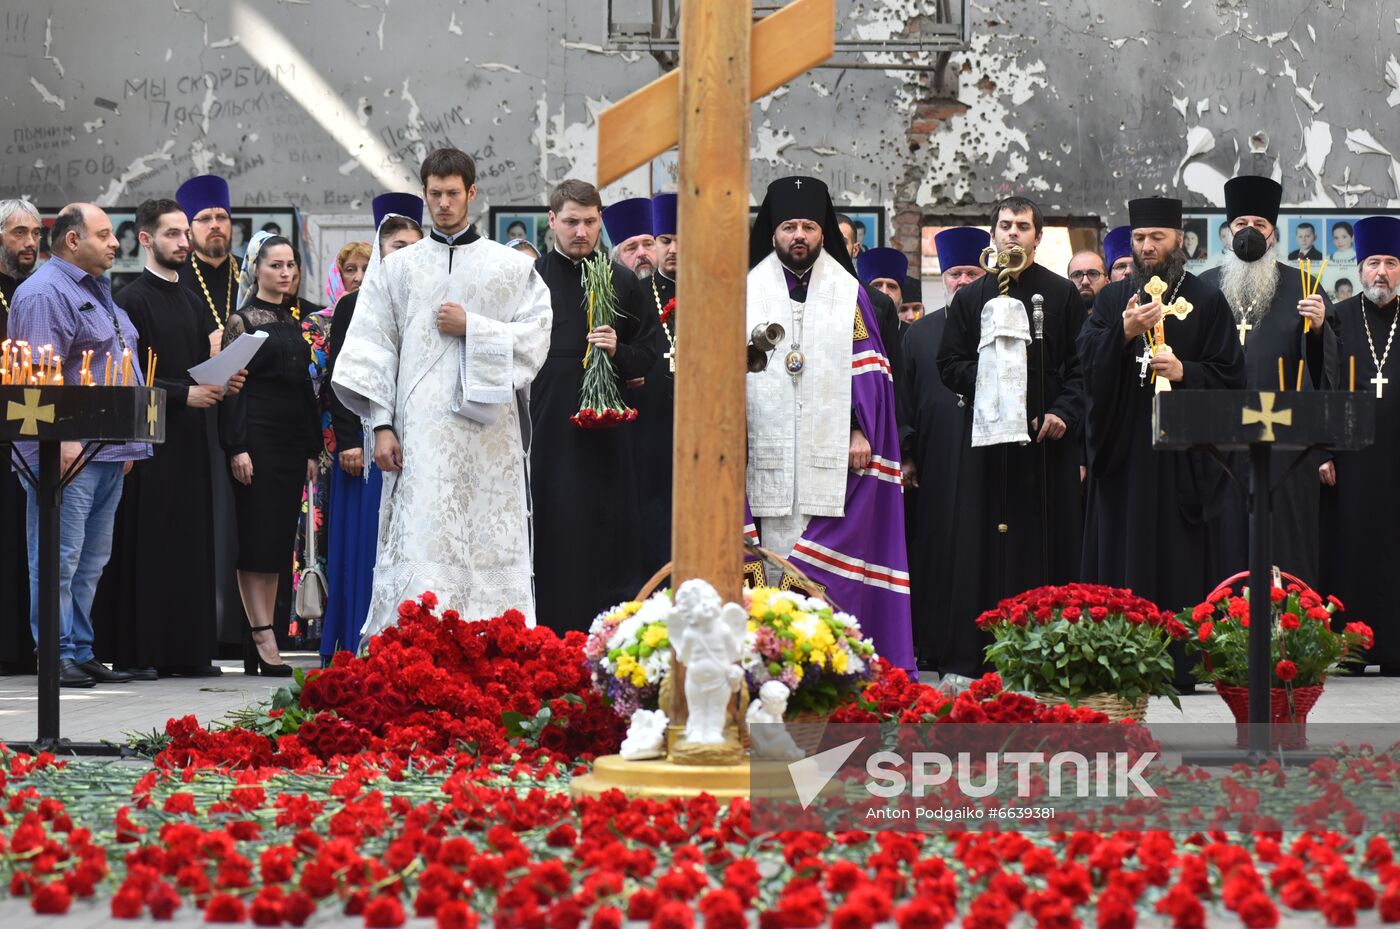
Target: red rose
(1286,670)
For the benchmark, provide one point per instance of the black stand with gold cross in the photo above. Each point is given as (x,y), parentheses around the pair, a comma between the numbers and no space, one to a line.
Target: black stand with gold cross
(52,415)
(1261,422)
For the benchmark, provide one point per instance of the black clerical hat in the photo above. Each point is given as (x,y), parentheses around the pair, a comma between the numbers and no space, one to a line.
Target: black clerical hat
(1252,195)
(797,198)
(913,290)
(1154,213)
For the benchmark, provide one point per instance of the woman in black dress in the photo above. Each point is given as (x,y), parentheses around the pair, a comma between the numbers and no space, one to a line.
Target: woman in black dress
(271,435)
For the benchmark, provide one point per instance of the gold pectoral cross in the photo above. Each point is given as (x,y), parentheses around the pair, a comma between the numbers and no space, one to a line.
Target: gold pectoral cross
(1267,415)
(30,412)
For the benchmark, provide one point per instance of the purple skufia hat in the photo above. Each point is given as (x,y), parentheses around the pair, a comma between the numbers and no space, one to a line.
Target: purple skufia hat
(204,192)
(627,219)
(408,206)
(961,247)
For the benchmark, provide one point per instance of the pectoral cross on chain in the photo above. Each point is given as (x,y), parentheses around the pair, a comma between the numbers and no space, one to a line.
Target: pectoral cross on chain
(1244,328)
(670,357)
(1143,360)
(1380,380)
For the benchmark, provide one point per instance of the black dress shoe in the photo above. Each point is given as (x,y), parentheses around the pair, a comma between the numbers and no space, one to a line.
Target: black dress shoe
(138,674)
(71,674)
(100,673)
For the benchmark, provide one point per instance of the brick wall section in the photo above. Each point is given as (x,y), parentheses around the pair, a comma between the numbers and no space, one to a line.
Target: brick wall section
(929,116)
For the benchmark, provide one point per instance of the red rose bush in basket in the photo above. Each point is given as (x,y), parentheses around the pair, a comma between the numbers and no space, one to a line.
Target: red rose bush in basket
(1087,644)
(1306,647)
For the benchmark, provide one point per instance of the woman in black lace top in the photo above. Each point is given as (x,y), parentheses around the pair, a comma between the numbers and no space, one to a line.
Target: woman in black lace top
(272,438)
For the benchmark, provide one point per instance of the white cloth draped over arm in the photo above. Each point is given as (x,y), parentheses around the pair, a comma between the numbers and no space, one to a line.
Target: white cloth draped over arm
(499,357)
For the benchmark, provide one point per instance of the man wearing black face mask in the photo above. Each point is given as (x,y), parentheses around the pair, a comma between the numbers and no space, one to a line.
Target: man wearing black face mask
(1271,315)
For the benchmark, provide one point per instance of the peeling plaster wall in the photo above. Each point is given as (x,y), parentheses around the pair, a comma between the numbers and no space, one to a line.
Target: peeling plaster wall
(324,103)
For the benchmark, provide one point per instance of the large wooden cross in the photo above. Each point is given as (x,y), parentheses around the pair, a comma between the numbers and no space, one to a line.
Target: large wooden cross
(726,62)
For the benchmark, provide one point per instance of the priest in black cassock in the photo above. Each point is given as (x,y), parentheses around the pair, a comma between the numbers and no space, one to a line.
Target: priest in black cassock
(211,276)
(1152,522)
(587,540)
(1271,316)
(1016,518)
(654,396)
(20,228)
(1361,499)
(154,612)
(931,443)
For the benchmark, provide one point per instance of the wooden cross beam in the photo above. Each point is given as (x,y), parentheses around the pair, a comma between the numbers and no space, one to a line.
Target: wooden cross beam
(726,62)
(647,122)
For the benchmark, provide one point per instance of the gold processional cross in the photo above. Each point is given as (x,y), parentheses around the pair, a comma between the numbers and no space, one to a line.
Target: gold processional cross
(727,61)
(1180,308)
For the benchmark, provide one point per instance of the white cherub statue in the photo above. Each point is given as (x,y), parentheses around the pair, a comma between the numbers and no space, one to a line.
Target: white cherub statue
(767,733)
(708,639)
(646,736)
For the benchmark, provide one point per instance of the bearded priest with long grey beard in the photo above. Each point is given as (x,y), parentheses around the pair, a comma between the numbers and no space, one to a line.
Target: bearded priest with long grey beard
(1275,321)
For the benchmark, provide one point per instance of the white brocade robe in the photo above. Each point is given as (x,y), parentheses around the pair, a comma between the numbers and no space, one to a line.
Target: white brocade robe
(455,520)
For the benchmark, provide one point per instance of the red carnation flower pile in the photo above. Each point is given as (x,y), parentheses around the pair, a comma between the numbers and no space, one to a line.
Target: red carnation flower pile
(428,687)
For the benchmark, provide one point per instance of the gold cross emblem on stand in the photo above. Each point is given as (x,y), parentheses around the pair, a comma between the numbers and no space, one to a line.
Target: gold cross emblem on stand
(31,412)
(152,415)
(1267,416)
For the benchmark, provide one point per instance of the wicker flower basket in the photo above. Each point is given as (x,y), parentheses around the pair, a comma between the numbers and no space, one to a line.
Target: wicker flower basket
(1289,729)
(1111,705)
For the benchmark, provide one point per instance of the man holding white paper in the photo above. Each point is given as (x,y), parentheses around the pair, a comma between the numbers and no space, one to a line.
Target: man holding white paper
(446,332)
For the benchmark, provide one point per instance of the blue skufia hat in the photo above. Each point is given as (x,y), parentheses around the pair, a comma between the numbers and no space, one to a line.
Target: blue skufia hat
(663,214)
(888,263)
(406,205)
(627,219)
(1117,244)
(961,247)
(204,192)
(1377,235)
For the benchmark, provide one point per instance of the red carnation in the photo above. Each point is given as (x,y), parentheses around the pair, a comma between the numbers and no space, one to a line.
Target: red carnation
(1289,621)
(384,912)
(1286,670)
(1071,613)
(1257,911)
(163,900)
(1204,631)
(1278,594)
(606,917)
(1390,904)
(51,899)
(455,914)
(128,903)
(673,914)
(1337,604)
(225,908)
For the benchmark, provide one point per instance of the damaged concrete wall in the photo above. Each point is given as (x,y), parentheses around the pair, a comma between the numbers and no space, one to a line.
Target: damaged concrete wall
(324,103)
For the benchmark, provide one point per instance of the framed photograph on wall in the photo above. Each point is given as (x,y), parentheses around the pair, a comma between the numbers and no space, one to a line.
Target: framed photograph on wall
(1309,235)
(869,222)
(530,223)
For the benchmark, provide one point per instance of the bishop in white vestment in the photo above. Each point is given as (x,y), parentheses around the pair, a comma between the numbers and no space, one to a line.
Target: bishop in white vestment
(455,520)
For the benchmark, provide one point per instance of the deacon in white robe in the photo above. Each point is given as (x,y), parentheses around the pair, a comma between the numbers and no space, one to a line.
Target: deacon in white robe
(455,519)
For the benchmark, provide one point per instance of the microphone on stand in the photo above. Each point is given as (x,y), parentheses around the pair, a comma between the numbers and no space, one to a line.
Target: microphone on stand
(1038,316)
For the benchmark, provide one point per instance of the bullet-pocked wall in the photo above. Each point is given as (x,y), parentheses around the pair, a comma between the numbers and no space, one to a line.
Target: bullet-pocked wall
(324,103)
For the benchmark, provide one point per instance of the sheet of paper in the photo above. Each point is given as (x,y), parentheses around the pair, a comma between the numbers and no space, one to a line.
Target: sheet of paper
(235,356)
